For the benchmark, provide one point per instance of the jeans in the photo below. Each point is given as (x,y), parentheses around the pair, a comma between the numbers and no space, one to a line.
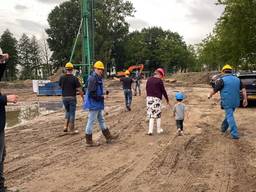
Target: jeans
(70,108)
(128,97)
(2,157)
(229,121)
(92,115)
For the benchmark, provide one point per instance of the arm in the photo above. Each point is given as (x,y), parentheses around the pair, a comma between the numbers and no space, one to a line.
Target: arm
(2,68)
(92,89)
(218,86)
(164,92)
(245,102)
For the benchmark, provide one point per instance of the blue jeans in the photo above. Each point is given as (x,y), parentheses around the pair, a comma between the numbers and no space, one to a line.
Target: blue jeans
(70,108)
(128,97)
(137,86)
(229,121)
(92,116)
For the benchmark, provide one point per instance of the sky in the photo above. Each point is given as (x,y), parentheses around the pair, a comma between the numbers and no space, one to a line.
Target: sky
(192,19)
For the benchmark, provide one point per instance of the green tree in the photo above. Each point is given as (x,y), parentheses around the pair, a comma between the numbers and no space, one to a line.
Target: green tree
(64,21)
(233,40)
(8,43)
(24,53)
(110,29)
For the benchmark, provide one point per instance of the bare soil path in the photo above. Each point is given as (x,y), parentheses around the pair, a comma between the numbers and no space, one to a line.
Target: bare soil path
(41,158)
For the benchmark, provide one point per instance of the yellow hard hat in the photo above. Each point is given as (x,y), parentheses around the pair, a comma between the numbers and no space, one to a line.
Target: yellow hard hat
(127,72)
(98,65)
(69,66)
(226,67)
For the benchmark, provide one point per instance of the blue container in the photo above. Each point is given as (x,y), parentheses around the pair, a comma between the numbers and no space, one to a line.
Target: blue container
(50,89)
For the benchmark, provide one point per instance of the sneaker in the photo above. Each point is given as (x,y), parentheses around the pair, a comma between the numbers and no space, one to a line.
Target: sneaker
(178,131)
(129,108)
(150,134)
(160,131)
(181,133)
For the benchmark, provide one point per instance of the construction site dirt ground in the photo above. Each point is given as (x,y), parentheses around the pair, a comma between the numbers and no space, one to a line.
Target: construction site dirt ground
(41,158)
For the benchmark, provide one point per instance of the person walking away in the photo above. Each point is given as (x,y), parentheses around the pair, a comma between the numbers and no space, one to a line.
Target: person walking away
(70,85)
(94,103)
(137,83)
(4,99)
(179,112)
(155,90)
(127,87)
(229,87)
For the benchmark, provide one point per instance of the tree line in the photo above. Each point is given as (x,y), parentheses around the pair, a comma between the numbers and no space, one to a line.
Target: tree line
(232,41)
(29,58)
(233,38)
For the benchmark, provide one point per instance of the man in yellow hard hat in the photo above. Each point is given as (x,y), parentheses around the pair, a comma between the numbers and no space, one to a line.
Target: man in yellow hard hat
(127,87)
(70,85)
(229,87)
(94,103)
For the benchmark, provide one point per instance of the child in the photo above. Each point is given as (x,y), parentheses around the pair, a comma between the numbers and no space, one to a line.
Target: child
(179,112)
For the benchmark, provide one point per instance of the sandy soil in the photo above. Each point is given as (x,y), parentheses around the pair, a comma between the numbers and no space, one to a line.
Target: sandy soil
(42,159)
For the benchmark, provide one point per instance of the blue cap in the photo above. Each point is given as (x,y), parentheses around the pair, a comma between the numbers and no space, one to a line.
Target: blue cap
(179,95)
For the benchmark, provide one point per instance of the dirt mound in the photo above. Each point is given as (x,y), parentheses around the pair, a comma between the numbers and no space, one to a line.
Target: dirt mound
(193,77)
(56,76)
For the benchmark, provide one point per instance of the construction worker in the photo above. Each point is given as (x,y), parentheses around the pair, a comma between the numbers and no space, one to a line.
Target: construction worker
(229,87)
(155,90)
(94,103)
(70,85)
(127,87)
(137,83)
(4,99)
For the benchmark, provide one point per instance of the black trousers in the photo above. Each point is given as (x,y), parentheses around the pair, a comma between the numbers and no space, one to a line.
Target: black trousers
(179,124)
(2,157)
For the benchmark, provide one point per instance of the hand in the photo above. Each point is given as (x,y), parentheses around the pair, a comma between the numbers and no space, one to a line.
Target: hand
(12,98)
(245,102)
(209,96)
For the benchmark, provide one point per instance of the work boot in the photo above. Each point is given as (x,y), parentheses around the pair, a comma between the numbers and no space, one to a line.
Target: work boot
(89,141)
(72,128)
(65,129)
(108,135)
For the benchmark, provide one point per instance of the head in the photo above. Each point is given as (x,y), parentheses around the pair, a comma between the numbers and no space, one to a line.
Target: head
(226,69)
(69,67)
(99,68)
(3,56)
(179,96)
(159,73)
(127,73)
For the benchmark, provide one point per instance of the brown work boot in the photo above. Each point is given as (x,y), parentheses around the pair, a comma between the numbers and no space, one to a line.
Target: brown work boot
(108,135)
(65,129)
(72,128)
(89,141)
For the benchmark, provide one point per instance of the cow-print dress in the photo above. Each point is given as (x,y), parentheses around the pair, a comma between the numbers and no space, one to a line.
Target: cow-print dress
(153,107)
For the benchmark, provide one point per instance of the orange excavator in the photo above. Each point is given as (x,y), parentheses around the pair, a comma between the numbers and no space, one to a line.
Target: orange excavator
(139,67)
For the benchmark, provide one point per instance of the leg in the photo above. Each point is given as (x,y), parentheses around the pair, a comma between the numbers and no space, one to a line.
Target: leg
(101,120)
(232,123)
(158,125)
(72,115)
(66,106)
(139,88)
(92,115)
(126,98)
(129,100)
(2,157)
(151,126)
(224,125)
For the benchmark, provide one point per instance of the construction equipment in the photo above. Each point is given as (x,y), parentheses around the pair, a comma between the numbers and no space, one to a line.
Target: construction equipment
(139,67)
